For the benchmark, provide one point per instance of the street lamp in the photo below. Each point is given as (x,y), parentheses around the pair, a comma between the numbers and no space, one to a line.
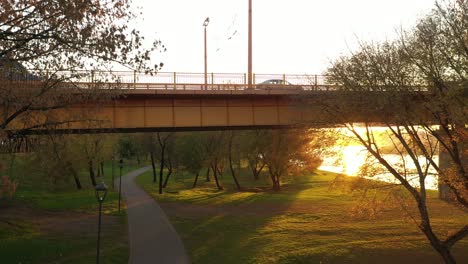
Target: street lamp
(113,165)
(249,67)
(120,181)
(205,24)
(101,192)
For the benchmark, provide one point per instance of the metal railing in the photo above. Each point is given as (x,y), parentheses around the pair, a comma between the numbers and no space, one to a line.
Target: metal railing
(177,80)
(216,81)
(170,80)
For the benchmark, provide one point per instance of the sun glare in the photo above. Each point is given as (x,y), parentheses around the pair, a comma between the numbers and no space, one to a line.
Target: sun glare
(353,158)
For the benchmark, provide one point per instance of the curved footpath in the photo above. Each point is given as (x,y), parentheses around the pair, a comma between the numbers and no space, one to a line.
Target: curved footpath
(152,237)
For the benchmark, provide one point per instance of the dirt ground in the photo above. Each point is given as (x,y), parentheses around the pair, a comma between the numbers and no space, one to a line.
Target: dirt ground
(43,221)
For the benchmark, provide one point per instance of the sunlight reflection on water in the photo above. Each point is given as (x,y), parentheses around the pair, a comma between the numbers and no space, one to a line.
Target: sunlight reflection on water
(354,157)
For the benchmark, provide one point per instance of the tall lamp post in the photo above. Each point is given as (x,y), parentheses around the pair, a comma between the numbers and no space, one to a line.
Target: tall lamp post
(249,67)
(101,192)
(205,24)
(120,181)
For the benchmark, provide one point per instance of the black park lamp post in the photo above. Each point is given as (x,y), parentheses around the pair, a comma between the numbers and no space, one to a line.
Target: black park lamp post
(113,166)
(101,192)
(120,181)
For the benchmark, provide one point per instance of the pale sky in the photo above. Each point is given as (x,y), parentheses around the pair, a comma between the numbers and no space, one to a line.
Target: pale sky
(294,36)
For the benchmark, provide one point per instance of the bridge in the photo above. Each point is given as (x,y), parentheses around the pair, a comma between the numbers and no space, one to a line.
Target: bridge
(183,101)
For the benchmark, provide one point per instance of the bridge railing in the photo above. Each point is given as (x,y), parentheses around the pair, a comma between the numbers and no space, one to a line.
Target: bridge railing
(177,80)
(169,80)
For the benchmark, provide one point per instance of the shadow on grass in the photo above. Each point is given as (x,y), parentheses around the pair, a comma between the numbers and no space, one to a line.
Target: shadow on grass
(58,225)
(180,190)
(304,223)
(242,224)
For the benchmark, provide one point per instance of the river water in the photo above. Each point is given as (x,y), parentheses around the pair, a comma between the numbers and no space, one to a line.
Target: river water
(354,157)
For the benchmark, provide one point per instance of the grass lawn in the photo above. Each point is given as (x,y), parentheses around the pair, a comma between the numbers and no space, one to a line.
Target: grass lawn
(308,222)
(43,225)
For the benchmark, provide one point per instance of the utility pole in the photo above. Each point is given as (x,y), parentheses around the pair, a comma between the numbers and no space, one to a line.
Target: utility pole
(249,73)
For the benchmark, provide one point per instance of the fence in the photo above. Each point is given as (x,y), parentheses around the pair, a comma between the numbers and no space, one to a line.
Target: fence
(183,80)
(168,80)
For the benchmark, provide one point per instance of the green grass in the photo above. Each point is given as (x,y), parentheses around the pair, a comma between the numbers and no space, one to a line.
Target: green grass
(306,223)
(27,244)
(23,240)
(67,197)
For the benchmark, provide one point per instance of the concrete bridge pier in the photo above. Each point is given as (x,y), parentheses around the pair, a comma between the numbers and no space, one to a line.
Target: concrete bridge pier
(446,164)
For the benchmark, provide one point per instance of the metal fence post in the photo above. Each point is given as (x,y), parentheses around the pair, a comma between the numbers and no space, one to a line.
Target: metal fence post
(134,79)
(245,80)
(175,81)
(92,79)
(212,81)
(316,82)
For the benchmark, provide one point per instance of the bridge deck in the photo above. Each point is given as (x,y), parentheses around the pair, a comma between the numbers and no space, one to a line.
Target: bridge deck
(183,102)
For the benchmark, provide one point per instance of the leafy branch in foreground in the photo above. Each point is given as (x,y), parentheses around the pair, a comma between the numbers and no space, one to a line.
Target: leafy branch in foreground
(418,87)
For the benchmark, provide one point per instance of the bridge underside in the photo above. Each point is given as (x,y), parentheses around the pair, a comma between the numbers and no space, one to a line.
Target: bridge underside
(150,111)
(143,113)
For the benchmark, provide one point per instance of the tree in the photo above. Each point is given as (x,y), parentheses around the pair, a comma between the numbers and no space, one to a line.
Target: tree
(56,40)
(149,145)
(253,149)
(55,159)
(171,157)
(421,82)
(215,152)
(191,155)
(234,156)
(288,150)
(127,147)
(164,140)
(93,147)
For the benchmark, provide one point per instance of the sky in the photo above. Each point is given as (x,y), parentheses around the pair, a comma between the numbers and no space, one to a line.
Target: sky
(289,37)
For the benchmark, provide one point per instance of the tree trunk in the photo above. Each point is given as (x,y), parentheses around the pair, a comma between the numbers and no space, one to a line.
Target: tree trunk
(442,249)
(76,178)
(98,171)
(276,184)
(256,170)
(169,172)
(274,180)
(220,171)
(91,173)
(102,168)
(233,173)
(77,183)
(196,180)
(154,166)
(215,175)
(254,173)
(426,228)
(161,170)
(208,174)
(138,159)
(446,255)
(231,166)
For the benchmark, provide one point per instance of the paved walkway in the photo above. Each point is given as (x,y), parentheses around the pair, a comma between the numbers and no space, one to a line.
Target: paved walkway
(152,237)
